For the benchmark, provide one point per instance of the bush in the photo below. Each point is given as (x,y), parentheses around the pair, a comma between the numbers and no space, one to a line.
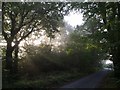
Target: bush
(42,59)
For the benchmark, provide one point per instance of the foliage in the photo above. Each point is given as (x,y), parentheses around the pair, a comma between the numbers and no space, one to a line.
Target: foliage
(40,59)
(20,19)
(103,20)
(84,51)
(80,54)
(53,69)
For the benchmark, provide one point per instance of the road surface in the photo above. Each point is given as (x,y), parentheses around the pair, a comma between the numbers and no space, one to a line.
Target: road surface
(91,81)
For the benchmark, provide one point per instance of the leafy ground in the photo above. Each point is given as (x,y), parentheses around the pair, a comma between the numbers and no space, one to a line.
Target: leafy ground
(110,81)
(45,80)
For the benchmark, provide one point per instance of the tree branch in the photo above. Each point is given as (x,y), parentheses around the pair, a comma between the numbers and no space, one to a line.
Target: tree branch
(21,22)
(32,29)
(3,32)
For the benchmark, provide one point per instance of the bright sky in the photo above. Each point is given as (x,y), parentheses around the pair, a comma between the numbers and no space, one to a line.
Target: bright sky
(74,18)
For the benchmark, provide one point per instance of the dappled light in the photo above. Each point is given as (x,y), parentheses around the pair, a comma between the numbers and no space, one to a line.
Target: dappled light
(49,44)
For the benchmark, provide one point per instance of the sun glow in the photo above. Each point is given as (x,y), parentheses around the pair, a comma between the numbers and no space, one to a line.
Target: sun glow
(74,18)
(108,62)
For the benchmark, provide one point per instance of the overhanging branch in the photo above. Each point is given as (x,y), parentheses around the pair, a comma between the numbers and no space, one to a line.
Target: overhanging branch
(26,35)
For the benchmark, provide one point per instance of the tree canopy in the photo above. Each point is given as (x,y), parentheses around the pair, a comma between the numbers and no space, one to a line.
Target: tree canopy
(20,19)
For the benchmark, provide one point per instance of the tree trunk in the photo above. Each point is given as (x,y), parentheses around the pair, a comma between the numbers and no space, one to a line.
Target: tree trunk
(9,58)
(16,59)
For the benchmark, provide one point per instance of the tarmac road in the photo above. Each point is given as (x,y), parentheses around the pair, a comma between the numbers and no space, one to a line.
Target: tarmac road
(91,81)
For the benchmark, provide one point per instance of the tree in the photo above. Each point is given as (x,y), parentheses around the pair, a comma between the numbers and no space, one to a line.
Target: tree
(84,51)
(20,19)
(107,31)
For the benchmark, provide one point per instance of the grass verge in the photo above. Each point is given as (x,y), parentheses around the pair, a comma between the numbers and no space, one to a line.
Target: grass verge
(46,80)
(110,81)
